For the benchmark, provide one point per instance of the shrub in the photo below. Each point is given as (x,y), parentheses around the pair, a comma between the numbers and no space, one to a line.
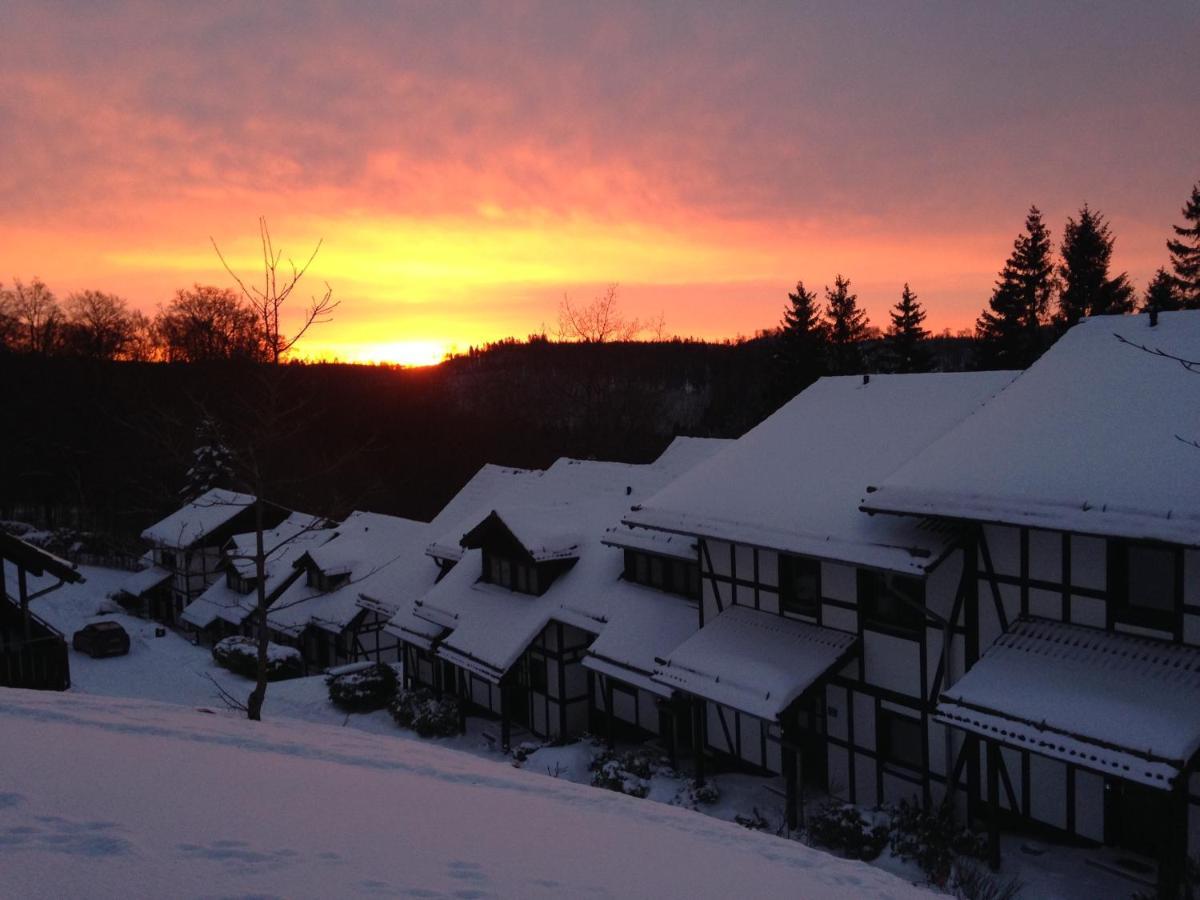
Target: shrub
(427,715)
(692,795)
(933,838)
(629,772)
(363,689)
(240,654)
(755,822)
(972,882)
(843,827)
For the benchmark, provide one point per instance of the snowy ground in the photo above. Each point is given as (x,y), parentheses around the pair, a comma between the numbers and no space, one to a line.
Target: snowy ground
(170,669)
(119,796)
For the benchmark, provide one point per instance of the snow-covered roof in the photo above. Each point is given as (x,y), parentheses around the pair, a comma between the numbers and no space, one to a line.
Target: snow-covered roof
(471,504)
(490,626)
(1086,440)
(647,540)
(794,482)
(754,661)
(196,520)
(145,580)
(644,626)
(284,544)
(363,545)
(1118,704)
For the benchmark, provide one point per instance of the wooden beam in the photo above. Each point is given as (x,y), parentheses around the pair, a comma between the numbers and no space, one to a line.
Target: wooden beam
(993,789)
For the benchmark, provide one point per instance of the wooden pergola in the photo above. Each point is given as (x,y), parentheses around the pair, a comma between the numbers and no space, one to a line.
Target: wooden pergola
(33,654)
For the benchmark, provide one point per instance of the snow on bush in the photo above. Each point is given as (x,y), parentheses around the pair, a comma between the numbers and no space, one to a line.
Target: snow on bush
(364,688)
(693,795)
(427,715)
(933,838)
(629,772)
(843,827)
(240,654)
(972,882)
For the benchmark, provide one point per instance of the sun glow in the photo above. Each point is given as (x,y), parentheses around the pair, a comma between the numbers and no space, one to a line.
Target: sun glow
(403,353)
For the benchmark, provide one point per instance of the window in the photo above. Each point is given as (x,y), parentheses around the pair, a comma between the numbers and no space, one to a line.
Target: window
(899,739)
(676,576)
(539,674)
(799,585)
(517,576)
(167,558)
(1144,587)
(238,582)
(891,602)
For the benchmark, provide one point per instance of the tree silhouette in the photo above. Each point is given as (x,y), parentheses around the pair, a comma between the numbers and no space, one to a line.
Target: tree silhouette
(1009,330)
(1161,293)
(905,343)
(803,341)
(1185,252)
(1087,289)
(846,326)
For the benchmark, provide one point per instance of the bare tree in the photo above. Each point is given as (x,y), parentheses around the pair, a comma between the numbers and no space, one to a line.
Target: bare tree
(99,325)
(276,289)
(38,317)
(600,321)
(206,323)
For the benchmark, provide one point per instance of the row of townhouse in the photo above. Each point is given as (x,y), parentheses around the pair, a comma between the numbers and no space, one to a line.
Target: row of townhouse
(980,586)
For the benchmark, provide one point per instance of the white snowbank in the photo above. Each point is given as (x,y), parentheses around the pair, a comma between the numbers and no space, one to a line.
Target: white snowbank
(376,816)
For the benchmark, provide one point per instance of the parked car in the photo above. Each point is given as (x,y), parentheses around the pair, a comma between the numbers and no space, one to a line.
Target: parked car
(101,639)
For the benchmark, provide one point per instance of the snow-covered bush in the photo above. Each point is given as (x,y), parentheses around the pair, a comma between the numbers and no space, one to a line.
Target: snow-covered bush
(843,827)
(933,838)
(427,715)
(692,795)
(972,882)
(240,654)
(756,821)
(629,772)
(363,688)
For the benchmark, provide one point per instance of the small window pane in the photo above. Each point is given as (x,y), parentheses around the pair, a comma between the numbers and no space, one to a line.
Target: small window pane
(799,584)
(1151,578)
(901,739)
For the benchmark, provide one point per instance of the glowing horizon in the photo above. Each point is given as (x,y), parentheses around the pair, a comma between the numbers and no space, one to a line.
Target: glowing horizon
(467,171)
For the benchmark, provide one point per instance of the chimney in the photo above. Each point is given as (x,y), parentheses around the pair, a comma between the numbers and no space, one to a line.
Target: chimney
(866,379)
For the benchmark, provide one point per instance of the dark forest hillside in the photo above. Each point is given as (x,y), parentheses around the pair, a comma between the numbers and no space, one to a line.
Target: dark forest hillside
(107,445)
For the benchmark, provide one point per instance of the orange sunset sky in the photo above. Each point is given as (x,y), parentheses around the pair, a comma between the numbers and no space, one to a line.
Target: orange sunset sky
(468,164)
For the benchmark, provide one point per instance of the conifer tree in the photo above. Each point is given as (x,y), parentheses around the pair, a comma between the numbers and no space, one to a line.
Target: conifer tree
(907,350)
(1161,293)
(1009,330)
(846,326)
(1185,253)
(212,462)
(1086,288)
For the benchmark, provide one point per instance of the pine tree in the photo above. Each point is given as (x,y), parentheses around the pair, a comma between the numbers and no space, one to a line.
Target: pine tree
(905,342)
(1161,293)
(1009,330)
(1185,253)
(846,326)
(212,462)
(1086,288)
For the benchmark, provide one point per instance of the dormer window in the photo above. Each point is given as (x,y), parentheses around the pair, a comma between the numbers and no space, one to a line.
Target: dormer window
(236,581)
(322,582)
(516,575)
(675,576)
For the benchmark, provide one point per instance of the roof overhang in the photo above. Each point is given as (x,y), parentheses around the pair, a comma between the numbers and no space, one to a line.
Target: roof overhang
(35,559)
(756,662)
(1122,705)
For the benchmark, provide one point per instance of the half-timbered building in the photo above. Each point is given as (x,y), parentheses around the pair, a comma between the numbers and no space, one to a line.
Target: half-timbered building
(507,626)
(1078,490)
(226,607)
(186,552)
(319,612)
(820,633)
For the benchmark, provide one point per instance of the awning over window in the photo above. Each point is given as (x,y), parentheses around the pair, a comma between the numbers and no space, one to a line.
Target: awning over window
(1118,704)
(142,582)
(755,662)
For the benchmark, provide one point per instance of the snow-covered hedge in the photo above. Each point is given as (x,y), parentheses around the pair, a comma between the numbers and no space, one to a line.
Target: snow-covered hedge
(629,772)
(362,688)
(933,838)
(240,654)
(843,827)
(426,714)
